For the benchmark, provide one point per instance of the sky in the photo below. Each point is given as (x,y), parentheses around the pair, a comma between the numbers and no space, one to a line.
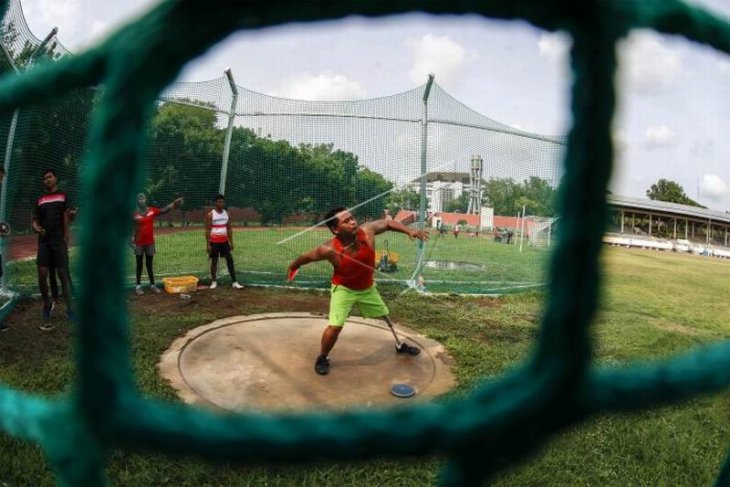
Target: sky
(674,96)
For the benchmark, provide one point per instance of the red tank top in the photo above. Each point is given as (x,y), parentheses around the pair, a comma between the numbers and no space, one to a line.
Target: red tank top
(354,271)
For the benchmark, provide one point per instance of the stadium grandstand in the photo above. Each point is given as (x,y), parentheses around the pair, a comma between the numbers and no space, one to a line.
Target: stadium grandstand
(650,224)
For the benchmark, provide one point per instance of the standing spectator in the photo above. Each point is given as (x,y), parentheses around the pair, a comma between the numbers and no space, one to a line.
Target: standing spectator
(219,240)
(51,222)
(53,278)
(144,238)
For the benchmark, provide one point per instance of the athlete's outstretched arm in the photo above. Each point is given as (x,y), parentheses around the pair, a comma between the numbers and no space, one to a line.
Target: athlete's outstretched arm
(175,204)
(323,252)
(381,226)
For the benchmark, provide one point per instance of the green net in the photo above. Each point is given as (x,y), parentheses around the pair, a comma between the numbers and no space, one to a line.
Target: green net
(289,161)
(283,163)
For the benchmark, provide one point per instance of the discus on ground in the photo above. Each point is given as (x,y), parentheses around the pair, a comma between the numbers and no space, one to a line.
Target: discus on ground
(4,229)
(402,390)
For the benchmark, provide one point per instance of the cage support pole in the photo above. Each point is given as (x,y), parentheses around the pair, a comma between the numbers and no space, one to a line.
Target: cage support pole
(229,131)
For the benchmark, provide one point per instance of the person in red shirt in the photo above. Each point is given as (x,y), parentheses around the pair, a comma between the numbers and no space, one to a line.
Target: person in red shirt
(144,238)
(352,255)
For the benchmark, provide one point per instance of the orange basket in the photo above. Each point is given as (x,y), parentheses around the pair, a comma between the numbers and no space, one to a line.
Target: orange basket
(182,284)
(393,257)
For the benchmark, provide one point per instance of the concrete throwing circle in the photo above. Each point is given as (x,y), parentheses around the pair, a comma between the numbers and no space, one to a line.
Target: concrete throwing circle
(266,362)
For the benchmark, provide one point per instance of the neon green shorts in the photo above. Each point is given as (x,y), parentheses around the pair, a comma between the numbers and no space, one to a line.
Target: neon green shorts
(368,300)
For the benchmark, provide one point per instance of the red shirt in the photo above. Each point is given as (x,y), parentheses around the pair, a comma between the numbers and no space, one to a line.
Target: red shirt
(145,224)
(354,271)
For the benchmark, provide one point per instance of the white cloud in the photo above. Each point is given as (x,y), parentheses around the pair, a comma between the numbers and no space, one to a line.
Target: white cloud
(322,87)
(660,136)
(724,66)
(438,55)
(648,65)
(713,187)
(99,28)
(66,15)
(554,46)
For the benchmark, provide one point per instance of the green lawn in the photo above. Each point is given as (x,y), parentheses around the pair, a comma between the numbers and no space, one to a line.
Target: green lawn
(654,304)
(262,255)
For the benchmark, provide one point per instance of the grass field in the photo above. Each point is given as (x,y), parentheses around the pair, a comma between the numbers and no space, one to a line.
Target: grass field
(262,255)
(654,304)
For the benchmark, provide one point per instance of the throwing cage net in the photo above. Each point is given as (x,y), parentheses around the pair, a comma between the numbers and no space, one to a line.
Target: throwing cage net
(288,161)
(281,164)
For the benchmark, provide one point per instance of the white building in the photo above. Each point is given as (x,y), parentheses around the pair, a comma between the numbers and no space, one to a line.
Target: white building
(442,188)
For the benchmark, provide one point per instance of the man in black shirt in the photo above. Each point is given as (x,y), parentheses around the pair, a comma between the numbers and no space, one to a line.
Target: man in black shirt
(51,222)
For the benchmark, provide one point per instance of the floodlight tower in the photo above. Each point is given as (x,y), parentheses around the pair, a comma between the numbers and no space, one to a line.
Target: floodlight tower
(475,185)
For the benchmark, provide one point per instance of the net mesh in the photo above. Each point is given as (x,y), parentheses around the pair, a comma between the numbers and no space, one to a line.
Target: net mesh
(282,164)
(289,161)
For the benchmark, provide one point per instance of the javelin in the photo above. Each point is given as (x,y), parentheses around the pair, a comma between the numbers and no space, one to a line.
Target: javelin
(354,207)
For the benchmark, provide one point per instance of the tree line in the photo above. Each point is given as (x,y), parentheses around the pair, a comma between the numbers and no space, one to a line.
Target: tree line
(505,195)
(274,177)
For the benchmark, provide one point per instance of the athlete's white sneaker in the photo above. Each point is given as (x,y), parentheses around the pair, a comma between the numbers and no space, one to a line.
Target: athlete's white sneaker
(236,285)
(213,285)
(139,290)
(155,289)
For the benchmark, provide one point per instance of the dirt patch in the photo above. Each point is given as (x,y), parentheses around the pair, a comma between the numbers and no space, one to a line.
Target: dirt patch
(23,342)
(226,301)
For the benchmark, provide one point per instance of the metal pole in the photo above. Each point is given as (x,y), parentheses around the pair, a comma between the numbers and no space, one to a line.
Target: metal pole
(9,148)
(229,132)
(550,231)
(424,154)
(650,224)
(424,167)
(622,221)
(522,227)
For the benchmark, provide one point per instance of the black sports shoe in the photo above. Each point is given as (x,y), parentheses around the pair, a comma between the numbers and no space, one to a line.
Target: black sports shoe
(405,348)
(322,365)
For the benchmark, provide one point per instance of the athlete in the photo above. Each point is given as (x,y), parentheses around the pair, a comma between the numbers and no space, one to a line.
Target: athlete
(219,241)
(352,254)
(143,241)
(51,223)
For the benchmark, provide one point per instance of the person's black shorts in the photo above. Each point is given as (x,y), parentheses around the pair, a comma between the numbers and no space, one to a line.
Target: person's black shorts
(52,253)
(218,249)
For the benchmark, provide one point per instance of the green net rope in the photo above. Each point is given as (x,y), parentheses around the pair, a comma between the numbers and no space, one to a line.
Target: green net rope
(498,423)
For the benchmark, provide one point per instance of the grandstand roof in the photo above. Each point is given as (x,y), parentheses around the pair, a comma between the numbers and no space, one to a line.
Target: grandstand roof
(670,208)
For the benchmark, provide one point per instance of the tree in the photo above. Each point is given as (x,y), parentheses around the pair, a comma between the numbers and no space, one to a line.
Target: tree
(185,155)
(458,205)
(670,191)
(508,197)
(371,185)
(403,199)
